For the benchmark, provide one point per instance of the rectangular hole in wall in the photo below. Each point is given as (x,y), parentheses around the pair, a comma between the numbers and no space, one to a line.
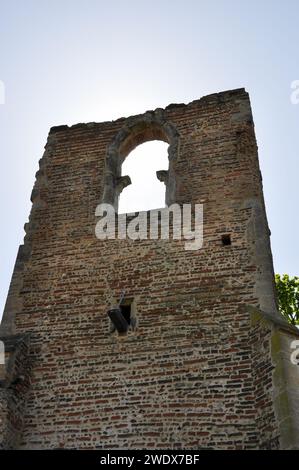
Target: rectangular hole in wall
(226,240)
(126,312)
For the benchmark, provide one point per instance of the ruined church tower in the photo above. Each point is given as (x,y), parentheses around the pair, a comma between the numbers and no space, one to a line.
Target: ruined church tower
(205,361)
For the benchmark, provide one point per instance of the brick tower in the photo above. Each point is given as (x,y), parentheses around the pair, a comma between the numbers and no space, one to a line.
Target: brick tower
(205,362)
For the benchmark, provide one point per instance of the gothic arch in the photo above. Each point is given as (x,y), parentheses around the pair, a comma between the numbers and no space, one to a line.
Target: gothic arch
(138,130)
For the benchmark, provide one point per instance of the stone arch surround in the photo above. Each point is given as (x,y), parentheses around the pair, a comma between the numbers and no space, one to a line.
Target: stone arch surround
(149,126)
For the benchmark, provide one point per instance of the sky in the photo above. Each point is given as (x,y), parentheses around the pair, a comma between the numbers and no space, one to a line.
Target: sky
(70,61)
(145,191)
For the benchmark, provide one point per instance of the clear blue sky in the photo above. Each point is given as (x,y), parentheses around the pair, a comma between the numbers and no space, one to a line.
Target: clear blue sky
(68,61)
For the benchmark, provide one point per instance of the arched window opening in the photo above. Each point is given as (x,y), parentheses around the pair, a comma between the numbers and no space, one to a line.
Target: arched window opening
(136,131)
(146,191)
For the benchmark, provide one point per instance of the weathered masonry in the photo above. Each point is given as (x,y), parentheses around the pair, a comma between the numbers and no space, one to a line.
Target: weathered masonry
(206,360)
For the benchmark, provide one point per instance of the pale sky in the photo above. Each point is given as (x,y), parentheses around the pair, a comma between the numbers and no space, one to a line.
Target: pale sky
(70,61)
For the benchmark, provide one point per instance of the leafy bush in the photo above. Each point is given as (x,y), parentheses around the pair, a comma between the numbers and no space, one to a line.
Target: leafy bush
(288,297)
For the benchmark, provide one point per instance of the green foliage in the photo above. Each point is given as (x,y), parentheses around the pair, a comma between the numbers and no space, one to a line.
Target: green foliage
(288,297)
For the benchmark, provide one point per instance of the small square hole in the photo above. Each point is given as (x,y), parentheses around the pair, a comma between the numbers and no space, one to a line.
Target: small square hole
(226,240)
(123,316)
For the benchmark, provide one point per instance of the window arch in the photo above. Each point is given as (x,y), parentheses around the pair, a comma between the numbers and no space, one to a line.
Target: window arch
(151,126)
